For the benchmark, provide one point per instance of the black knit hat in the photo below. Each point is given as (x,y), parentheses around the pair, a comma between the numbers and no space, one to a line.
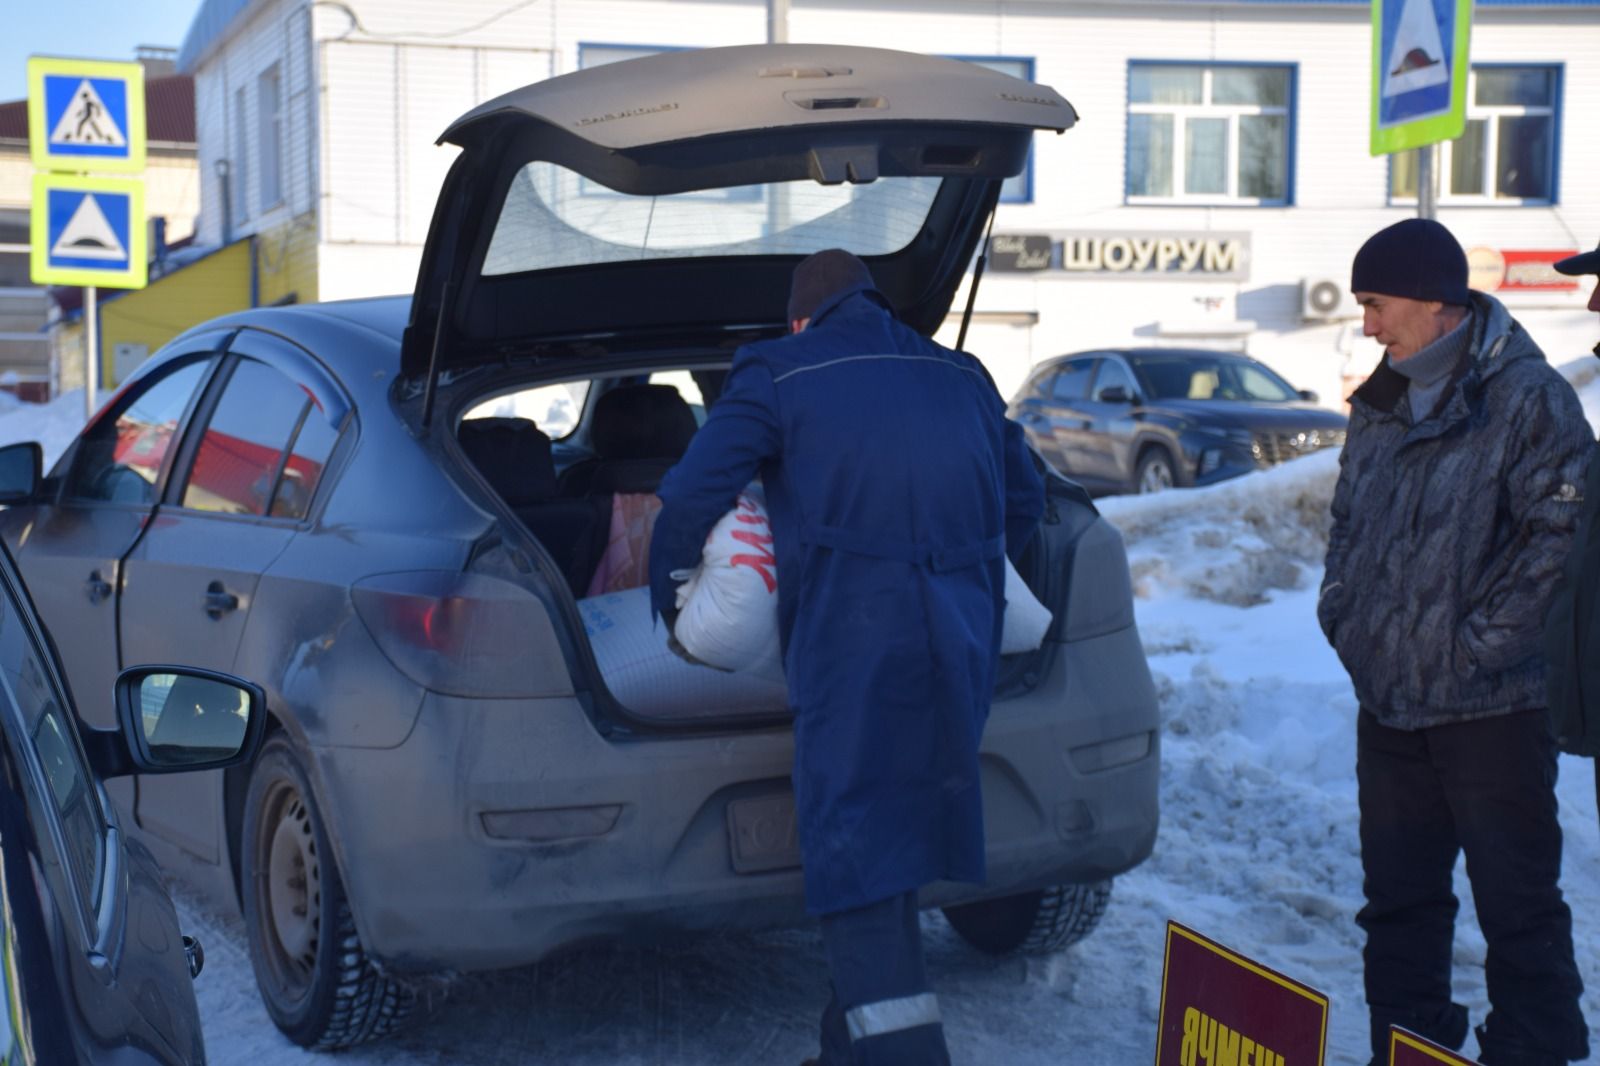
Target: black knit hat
(1582,263)
(1417,258)
(822,275)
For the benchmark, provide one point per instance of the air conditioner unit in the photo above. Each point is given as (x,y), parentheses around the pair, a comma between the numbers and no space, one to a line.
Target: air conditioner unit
(1325,299)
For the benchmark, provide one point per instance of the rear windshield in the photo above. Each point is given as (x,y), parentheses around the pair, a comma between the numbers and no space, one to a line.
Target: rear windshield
(1199,378)
(553,217)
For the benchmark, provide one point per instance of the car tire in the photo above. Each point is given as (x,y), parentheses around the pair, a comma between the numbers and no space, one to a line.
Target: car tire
(320,987)
(1155,472)
(1031,923)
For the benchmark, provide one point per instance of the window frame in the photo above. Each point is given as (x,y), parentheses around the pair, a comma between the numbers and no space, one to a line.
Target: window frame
(304,371)
(239,165)
(1030,66)
(269,138)
(1232,113)
(1489,114)
(133,392)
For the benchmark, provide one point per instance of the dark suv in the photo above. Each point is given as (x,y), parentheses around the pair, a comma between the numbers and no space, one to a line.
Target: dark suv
(1146,419)
(393,514)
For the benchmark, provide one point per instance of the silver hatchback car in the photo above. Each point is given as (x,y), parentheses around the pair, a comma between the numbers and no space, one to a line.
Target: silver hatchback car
(398,514)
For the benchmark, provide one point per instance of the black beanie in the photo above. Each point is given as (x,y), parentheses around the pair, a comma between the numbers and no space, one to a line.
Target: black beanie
(822,275)
(1416,258)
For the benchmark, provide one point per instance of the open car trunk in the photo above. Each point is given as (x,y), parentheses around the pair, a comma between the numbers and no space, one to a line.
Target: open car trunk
(561,517)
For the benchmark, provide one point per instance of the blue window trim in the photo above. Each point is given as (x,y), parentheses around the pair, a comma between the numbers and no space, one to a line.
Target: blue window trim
(1293,147)
(1557,100)
(1029,65)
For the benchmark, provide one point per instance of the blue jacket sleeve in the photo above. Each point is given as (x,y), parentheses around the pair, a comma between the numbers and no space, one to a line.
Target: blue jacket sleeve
(1024,491)
(740,433)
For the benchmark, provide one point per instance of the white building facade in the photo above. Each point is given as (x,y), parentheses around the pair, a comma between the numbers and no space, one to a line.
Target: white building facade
(1220,169)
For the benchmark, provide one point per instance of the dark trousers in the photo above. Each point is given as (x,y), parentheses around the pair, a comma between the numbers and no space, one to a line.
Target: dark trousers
(882,1011)
(1486,787)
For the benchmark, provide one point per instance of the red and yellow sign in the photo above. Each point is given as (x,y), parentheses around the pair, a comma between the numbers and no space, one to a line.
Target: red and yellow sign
(1519,270)
(1409,1049)
(1219,1008)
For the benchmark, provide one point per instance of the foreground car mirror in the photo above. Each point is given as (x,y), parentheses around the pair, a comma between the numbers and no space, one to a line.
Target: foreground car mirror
(21,467)
(1309,395)
(178,718)
(1115,394)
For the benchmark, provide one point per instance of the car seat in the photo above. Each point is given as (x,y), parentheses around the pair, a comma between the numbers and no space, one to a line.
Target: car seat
(638,432)
(514,456)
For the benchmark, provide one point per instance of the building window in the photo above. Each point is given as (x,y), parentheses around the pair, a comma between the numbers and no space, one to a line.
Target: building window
(238,168)
(15,270)
(1209,133)
(1507,153)
(269,129)
(1017,190)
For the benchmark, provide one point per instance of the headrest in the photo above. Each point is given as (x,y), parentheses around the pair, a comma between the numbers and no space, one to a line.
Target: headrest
(513,454)
(642,422)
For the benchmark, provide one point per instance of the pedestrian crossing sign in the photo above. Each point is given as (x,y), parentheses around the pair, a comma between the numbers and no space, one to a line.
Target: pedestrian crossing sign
(88,231)
(1419,72)
(86,115)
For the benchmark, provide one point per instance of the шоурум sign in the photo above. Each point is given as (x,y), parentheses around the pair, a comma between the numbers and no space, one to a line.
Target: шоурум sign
(1168,255)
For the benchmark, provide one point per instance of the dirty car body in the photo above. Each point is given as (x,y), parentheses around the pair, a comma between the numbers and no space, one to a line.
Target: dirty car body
(448,767)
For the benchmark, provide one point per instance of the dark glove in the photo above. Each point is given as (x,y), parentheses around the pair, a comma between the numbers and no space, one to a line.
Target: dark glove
(683,653)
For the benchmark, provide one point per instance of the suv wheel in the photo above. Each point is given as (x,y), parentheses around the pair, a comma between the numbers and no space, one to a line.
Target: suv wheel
(1155,473)
(318,984)
(1031,923)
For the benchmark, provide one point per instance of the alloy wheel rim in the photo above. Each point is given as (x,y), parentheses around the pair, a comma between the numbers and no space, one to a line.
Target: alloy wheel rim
(1157,476)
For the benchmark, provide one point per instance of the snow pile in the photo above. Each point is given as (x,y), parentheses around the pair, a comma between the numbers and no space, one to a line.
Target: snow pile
(52,424)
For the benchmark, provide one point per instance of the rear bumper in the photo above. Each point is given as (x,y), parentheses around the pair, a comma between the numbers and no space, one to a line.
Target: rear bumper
(502,830)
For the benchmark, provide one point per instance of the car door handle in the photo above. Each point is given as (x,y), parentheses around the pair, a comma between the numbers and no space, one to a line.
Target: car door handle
(97,587)
(219,601)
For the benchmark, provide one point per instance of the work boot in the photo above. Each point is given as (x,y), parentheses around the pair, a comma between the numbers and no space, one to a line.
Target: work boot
(1498,1052)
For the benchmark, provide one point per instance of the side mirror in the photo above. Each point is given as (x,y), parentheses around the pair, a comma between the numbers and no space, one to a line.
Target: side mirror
(1309,395)
(21,469)
(178,718)
(1115,394)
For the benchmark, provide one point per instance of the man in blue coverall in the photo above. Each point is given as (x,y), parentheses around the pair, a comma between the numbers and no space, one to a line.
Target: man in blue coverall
(895,485)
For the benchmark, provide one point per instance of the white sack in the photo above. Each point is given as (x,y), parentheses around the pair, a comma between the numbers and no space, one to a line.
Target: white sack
(728,605)
(650,679)
(1026,619)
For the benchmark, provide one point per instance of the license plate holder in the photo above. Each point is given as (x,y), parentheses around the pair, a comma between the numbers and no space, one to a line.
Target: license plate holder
(762,835)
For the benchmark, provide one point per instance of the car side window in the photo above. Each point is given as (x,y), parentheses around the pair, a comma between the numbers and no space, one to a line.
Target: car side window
(74,800)
(1113,374)
(236,468)
(308,458)
(1072,384)
(120,459)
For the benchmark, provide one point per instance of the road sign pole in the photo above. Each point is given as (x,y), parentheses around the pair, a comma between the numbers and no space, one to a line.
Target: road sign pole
(91,343)
(1427,181)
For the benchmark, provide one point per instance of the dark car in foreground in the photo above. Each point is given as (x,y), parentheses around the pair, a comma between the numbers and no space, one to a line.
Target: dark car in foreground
(1147,419)
(93,966)
(399,515)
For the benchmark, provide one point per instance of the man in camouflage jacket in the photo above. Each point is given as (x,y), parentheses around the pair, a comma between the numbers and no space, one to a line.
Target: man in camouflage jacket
(1457,498)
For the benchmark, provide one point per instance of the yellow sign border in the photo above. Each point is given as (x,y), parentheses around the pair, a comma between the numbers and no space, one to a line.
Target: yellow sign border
(38,131)
(1238,960)
(134,276)
(1398,1036)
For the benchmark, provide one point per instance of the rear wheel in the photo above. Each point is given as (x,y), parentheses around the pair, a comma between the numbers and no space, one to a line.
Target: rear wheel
(1031,923)
(1155,473)
(318,984)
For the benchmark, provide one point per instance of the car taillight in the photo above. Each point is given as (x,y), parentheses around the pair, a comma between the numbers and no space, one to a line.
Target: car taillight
(463,634)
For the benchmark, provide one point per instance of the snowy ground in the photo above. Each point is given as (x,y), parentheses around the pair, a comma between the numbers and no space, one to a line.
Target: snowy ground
(1257,849)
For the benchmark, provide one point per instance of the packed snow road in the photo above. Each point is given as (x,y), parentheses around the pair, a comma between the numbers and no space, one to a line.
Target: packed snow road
(1258,849)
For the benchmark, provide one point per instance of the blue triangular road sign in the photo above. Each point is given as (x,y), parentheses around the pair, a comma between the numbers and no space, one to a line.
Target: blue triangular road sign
(86,116)
(88,230)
